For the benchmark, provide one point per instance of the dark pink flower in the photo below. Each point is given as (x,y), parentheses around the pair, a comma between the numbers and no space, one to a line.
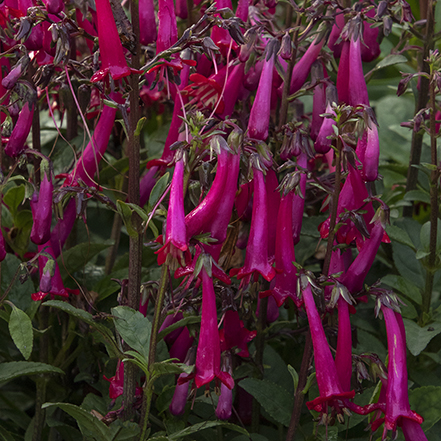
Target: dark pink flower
(368,152)
(16,143)
(225,403)
(272,205)
(116,387)
(147,22)
(167,29)
(234,334)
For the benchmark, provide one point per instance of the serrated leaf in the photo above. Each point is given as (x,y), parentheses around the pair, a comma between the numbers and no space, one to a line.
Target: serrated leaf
(275,400)
(134,329)
(88,424)
(158,189)
(205,425)
(427,402)
(20,328)
(15,369)
(181,323)
(417,337)
(87,318)
(398,235)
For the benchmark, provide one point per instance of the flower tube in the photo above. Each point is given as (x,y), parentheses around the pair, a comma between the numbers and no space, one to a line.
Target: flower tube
(16,143)
(41,205)
(331,393)
(167,28)
(208,353)
(147,22)
(225,403)
(298,203)
(272,204)
(234,334)
(357,85)
(368,152)
(176,231)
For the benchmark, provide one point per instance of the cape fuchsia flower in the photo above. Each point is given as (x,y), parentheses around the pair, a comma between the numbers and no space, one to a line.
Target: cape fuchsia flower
(397,399)
(343,356)
(116,387)
(318,72)
(343,74)
(412,430)
(41,205)
(234,334)
(87,164)
(272,204)
(175,242)
(368,152)
(147,22)
(208,353)
(16,143)
(357,85)
(331,392)
(113,62)
(260,112)
(146,185)
(298,202)
(63,227)
(256,259)
(53,6)
(225,403)
(370,49)
(167,28)
(181,345)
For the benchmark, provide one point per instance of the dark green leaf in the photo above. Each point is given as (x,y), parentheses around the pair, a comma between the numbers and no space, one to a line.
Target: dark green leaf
(158,189)
(396,234)
(275,400)
(164,368)
(20,328)
(417,195)
(126,214)
(14,197)
(205,425)
(89,425)
(6,436)
(427,402)
(418,338)
(390,60)
(14,369)
(134,329)
(403,286)
(425,237)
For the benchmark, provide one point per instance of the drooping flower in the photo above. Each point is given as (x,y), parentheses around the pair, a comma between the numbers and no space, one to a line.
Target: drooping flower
(113,61)
(147,22)
(167,28)
(256,259)
(234,334)
(16,143)
(368,152)
(181,345)
(323,142)
(272,205)
(208,353)
(116,387)
(41,205)
(331,392)
(298,203)
(225,403)
(358,94)
(175,242)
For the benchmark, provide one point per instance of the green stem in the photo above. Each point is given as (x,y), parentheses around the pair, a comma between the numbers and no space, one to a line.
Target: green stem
(434,176)
(148,389)
(421,103)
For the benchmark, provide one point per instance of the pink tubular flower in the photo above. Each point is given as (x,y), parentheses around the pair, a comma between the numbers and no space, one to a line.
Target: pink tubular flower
(113,61)
(54,6)
(397,400)
(260,112)
(298,202)
(357,85)
(64,226)
(225,403)
(256,259)
(176,232)
(343,74)
(322,143)
(234,334)
(146,185)
(412,430)
(16,142)
(318,72)
(285,279)
(116,387)
(343,356)
(208,353)
(88,162)
(331,393)
(167,29)
(41,205)
(181,345)
(370,49)
(147,22)
(272,205)
(368,152)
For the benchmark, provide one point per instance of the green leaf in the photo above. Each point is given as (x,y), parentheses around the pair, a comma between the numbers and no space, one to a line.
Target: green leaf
(427,402)
(390,60)
(14,197)
(275,400)
(15,369)
(163,368)
(139,126)
(142,214)
(396,234)
(134,329)
(417,195)
(87,318)
(20,328)
(405,287)
(158,189)
(191,319)
(6,436)
(89,425)
(425,237)
(295,377)
(205,425)
(408,266)
(126,214)
(76,257)
(418,338)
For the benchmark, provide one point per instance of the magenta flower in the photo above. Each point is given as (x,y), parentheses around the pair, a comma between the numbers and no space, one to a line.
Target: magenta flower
(323,143)
(175,242)
(146,185)
(397,399)
(370,49)
(208,353)
(234,334)
(368,152)
(2,247)
(344,66)
(343,356)
(220,36)
(256,259)
(357,85)
(298,203)
(337,27)
(285,279)
(116,387)
(318,72)
(181,345)
(177,405)
(113,61)
(147,22)
(41,205)
(412,430)
(54,6)
(331,393)
(260,112)
(272,205)
(63,227)
(87,164)
(167,29)
(225,403)
(16,143)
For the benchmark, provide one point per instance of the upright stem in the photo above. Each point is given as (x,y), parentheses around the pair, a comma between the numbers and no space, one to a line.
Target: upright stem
(148,389)
(135,243)
(417,138)
(334,206)
(434,176)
